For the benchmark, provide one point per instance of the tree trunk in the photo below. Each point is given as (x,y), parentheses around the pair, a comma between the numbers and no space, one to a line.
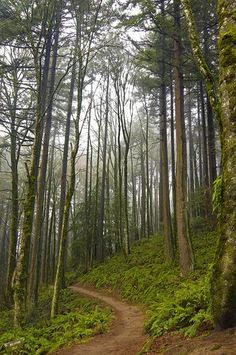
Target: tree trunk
(167,228)
(87,194)
(21,274)
(37,245)
(224,280)
(173,173)
(185,248)
(101,215)
(14,196)
(143,194)
(211,143)
(223,285)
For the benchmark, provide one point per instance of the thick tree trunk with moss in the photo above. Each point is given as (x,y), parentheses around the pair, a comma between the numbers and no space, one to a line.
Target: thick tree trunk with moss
(21,273)
(224,276)
(209,78)
(223,288)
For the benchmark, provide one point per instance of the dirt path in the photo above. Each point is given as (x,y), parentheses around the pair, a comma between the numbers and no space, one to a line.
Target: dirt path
(126,336)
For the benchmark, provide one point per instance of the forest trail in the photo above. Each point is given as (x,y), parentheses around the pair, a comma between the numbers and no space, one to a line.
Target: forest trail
(126,336)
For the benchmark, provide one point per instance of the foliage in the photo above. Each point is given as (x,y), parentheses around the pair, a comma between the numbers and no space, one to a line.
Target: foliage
(174,302)
(78,319)
(187,310)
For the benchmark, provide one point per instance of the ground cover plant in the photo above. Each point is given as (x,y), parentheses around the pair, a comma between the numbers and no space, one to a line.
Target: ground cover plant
(173,302)
(77,320)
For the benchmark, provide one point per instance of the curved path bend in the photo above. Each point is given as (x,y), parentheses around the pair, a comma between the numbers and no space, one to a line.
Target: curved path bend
(126,336)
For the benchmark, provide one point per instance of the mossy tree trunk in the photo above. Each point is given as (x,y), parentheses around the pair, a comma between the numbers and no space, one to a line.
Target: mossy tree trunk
(41,73)
(223,287)
(224,275)
(21,273)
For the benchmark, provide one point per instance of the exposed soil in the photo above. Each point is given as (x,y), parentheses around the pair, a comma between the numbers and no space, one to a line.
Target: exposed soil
(215,343)
(126,336)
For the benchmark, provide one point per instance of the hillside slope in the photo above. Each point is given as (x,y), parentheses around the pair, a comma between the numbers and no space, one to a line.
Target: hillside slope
(173,302)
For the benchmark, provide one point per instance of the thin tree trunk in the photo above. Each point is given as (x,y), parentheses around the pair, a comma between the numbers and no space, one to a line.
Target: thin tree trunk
(204,139)
(143,194)
(173,174)
(37,245)
(14,196)
(185,248)
(47,219)
(87,194)
(167,229)
(101,215)
(21,274)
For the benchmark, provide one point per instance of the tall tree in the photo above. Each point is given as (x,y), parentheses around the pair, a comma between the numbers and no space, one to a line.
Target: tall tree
(83,58)
(185,248)
(223,290)
(167,228)
(224,279)
(37,242)
(39,47)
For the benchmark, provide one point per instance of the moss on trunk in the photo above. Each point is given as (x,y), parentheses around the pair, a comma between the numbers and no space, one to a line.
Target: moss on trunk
(224,275)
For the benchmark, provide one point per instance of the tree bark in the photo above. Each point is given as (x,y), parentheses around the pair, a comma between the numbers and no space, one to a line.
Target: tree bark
(37,245)
(185,248)
(224,276)
(101,215)
(14,194)
(167,228)
(21,273)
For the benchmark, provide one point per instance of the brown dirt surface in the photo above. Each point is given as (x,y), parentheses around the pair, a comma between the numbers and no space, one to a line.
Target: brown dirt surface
(126,336)
(213,343)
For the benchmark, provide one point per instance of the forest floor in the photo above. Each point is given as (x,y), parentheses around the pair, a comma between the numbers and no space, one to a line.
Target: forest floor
(209,343)
(126,336)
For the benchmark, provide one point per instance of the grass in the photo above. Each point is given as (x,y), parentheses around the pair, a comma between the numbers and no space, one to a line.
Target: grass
(78,320)
(173,302)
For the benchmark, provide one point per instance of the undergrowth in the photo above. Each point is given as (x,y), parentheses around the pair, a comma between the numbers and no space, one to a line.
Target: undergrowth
(78,319)
(173,302)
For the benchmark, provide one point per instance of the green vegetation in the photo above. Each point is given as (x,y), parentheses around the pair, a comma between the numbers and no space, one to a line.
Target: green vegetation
(78,319)
(174,302)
